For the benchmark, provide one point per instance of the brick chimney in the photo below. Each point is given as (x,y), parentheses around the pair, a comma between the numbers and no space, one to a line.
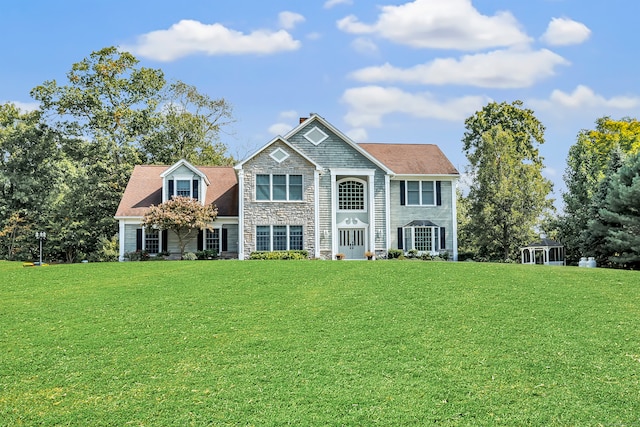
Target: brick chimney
(303,119)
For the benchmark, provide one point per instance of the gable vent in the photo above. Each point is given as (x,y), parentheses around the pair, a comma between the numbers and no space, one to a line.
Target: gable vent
(316,135)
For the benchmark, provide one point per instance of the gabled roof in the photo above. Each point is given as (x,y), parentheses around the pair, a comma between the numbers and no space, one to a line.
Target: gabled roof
(345,138)
(269,144)
(412,159)
(544,242)
(145,189)
(183,162)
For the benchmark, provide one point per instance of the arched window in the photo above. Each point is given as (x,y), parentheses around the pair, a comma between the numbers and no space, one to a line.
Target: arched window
(351,195)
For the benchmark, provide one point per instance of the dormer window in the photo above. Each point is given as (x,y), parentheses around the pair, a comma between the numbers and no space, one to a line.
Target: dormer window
(184,188)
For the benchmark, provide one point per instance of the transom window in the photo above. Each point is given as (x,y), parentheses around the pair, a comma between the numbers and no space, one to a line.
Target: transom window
(421,193)
(279,238)
(351,195)
(423,239)
(278,187)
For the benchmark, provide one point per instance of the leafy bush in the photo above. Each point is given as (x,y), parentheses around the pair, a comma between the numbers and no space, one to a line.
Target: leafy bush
(189,256)
(394,253)
(413,253)
(266,255)
(426,256)
(207,254)
(109,250)
(137,256)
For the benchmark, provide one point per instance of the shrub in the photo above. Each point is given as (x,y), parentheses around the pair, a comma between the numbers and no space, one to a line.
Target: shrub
(426,256)
(394,253)
(207,254)
(137,256)
(108,251)
(413,253)
(278,255)
(189,256)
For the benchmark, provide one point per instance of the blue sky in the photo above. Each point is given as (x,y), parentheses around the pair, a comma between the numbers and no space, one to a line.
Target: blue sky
(380,70)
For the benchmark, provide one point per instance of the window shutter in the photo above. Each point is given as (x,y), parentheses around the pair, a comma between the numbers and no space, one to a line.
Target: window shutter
(171,191)
(165,241)
(225,236)
(138,239)
(400,237)
(439,193)
(443,235)
(200,239)
(402,195)
(194,193)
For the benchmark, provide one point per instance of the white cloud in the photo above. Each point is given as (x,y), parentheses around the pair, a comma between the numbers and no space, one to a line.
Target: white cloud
(509,68)
(441,24)
(189,37)
(369,104)
(288,20)
(364,46)
(584,97)
(288,115)
(331,3)
(358,134)
(563,31)
(279,128)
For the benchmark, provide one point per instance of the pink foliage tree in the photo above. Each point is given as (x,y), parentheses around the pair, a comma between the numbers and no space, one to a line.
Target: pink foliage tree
(182,215)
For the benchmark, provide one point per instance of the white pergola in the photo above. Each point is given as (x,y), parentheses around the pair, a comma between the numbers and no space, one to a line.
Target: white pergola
(544,252)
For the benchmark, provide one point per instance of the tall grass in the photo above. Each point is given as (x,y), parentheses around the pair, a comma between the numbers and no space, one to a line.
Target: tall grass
(271,343)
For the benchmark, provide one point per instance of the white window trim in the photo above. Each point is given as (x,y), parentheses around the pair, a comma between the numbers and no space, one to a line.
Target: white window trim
(364,195)
(204,239)
(406,192)
(275,155)
(435,237)
(271,236)
(271,199)
(144,240)
(316,129)
(190,178)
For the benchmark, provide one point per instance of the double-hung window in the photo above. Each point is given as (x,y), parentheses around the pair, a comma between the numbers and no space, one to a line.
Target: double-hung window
(278,187)
(183,187)
(279,237)
(212,240)
(420,193)
(152,240)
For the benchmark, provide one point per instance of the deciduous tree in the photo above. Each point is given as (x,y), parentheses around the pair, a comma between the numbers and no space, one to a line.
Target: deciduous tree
(182,215)
(508,195)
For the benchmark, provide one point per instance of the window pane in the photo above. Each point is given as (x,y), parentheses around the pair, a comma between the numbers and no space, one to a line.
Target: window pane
(413,192)
(295,187)
(212,240)
(408,241)
(423,238)
(351,195)
(152,240)
(427,193)
(262,187)
(279,187)
(183,188)
(295,237)
(263,238)
(279,237)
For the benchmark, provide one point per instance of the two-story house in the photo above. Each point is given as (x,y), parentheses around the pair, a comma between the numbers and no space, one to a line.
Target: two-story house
(311,189)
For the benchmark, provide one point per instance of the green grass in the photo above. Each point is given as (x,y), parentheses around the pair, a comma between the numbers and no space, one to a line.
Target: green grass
(271,343)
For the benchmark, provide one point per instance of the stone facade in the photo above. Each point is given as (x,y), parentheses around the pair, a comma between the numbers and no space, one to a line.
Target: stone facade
(260,212)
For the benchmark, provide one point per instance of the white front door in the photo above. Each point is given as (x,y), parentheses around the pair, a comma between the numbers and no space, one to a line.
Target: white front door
(352,242)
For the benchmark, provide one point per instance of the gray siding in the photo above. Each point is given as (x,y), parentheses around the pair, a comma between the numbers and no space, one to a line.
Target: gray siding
(440,215)
(334,152)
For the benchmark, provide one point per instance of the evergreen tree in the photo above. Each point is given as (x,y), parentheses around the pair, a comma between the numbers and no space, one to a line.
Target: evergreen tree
(622,209)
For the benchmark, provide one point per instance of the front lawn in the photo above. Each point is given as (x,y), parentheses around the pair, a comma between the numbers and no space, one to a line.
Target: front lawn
(318,343)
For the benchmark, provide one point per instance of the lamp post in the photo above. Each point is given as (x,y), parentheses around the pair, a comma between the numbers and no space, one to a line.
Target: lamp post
(41,235)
